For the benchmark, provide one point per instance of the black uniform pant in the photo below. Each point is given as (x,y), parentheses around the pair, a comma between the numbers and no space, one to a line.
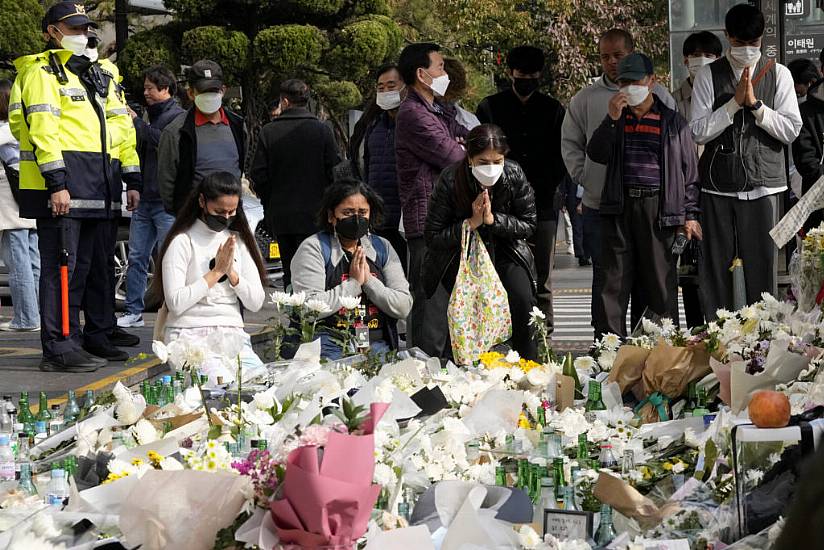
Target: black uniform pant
(637,253)
(736,227)
(522,299)
(89,243)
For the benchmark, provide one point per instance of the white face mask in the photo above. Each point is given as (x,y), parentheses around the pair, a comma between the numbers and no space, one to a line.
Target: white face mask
(92,54)
(695,63)
(439,84)
(209,102)
(75,43)
(746,55)
(388,100)
(636,94)
(488,174)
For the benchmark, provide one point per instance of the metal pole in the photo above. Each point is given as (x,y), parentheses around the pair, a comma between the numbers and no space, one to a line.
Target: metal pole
(121,23)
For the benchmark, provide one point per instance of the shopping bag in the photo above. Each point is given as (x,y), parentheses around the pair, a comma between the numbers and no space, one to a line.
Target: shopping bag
(478,313)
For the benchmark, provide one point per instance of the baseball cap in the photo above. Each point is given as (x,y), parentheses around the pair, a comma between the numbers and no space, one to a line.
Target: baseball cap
(70,13)
(205,75)
(635,66)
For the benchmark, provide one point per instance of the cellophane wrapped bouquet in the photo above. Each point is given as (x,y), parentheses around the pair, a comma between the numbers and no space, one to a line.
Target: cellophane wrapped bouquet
(807,270)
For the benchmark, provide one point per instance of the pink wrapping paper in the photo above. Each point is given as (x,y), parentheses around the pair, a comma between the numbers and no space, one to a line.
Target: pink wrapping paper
(329,502)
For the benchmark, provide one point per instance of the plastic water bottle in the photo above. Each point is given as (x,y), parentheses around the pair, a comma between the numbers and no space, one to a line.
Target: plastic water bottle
(6,460)
(5,420)
(58,490)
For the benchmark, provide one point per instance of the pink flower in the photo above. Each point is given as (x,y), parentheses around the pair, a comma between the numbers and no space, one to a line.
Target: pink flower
(315,434)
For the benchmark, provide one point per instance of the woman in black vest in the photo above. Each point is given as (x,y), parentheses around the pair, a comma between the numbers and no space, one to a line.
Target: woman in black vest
(346,259)
(495,196)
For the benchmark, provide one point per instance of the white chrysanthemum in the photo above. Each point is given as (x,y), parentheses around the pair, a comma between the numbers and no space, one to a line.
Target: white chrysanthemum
(279,298)
(536,316)
(539,377)
(384,475)
(297,299)
(349,302)
(650,327)
(127,413)
(611,341)
(606,359)
(512,357)
(144,432)
(317,306)
(584,363)
(528,538)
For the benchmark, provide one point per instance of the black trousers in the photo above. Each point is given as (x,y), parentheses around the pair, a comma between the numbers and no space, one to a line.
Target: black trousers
(89,243)
(543,245)
(397,241)
(637,253)
(288,245)
(733,226)
(522,299)
(427,328)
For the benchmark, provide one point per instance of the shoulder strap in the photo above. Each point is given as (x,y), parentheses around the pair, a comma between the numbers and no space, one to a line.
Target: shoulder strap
(380,250)
(325,248)
(767,66)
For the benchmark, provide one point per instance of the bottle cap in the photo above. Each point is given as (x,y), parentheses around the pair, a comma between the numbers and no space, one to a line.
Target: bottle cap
(606,445)
(167,379)
(12,410)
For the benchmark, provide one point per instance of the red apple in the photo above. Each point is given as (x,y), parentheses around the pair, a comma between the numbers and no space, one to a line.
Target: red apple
(769,409)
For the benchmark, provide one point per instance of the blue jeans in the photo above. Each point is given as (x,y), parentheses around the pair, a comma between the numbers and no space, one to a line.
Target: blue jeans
(21,256)
(333,352)
(149,226)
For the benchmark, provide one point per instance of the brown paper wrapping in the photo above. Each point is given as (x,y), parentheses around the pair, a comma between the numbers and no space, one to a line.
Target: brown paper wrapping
(625,499)
(628,366)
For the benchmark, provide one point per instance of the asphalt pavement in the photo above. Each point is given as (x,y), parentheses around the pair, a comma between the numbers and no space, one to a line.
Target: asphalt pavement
(20,353)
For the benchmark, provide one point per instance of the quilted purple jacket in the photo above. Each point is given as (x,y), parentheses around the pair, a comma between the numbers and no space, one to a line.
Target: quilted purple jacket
(425,143)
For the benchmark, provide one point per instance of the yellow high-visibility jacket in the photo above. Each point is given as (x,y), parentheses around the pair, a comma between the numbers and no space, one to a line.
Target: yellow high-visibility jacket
(75,134)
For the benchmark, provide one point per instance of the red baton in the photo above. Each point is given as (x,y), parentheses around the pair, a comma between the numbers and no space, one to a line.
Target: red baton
(64,282)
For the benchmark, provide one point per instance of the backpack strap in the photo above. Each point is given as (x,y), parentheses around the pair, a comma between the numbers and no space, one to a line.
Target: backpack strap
(326,249)
(380,250)
(767,66)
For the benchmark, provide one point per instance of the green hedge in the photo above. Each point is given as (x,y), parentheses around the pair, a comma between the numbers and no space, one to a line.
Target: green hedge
(20,32)
(144,49)
(286,48)
(229,49)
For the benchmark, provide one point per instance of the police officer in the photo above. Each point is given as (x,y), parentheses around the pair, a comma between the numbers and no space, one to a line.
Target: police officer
(76,143)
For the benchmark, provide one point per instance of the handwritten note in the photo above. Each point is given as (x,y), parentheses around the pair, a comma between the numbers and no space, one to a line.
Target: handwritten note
(567,525)
(793,220)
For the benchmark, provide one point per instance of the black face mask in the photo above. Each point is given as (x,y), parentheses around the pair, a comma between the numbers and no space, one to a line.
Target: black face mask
(217,223)
(353,227)
(525,86)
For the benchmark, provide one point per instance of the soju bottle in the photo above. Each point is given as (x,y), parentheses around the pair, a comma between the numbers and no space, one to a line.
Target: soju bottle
(594,401)
(541,418)
(558,477)
(25,484)
(569,370)
(72,410)
(583,451)
(701,406)
(24,415)
(692,399)
(569,499)
(523,474)
(43,418)
(500,476)
(606,531)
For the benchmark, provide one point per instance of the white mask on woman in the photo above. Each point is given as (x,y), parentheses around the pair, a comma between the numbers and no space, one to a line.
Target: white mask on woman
(488,174)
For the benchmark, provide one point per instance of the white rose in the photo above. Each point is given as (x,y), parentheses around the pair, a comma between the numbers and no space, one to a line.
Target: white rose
(528,538)
(264,400)
(538,377)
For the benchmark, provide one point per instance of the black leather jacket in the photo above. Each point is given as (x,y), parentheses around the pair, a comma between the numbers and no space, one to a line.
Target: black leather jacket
(513,205)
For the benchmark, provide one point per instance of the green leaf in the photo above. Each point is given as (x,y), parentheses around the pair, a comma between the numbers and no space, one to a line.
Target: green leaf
(214,432)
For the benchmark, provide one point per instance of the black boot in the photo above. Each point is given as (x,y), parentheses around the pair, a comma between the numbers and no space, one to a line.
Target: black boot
(122,339)
(107,352)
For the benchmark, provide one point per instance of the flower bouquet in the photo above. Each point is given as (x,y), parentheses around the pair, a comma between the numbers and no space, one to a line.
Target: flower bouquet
(327,493)
(807,270)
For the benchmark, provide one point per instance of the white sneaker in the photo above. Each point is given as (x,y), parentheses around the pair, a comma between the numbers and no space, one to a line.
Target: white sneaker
(571,250)
(6,327)
(130,320)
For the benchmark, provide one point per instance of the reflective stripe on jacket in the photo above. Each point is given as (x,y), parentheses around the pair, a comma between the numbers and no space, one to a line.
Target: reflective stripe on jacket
(71,136)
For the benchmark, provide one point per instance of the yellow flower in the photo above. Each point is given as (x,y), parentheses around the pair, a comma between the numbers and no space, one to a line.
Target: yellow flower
(154,457)
(647,473)
(667,466)
(527,365)
(114,477)
(137,462)
(491,359)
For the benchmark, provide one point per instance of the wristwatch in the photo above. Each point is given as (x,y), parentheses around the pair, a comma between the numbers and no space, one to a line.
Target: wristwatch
(755,106)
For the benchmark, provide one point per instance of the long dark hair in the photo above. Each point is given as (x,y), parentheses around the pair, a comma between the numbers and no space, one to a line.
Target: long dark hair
(340,191)
(213,186)
(480,138)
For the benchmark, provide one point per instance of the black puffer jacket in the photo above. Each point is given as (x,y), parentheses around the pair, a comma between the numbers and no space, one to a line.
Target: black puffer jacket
(513,205)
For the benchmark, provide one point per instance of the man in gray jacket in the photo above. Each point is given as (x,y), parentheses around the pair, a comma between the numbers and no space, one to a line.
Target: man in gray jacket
(586,111)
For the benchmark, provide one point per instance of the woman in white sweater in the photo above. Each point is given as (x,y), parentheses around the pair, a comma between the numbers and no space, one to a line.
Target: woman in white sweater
(210,269)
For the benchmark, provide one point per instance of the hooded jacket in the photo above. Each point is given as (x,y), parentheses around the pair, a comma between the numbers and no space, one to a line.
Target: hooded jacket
(148,138)
(586,111)
(513,206)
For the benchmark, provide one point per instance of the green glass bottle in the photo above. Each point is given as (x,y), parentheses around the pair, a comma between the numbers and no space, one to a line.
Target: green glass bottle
(72,410)
(569,370)
(692,399)
(541,473)
(701,405)
(43,414)
(500,476)
(606,531)
(583,451)
(558,479)
(24,415)
(25,484)
(594,401)
(523,473)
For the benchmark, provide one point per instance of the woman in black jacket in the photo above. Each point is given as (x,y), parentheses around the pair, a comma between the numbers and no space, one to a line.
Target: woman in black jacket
(494,195)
